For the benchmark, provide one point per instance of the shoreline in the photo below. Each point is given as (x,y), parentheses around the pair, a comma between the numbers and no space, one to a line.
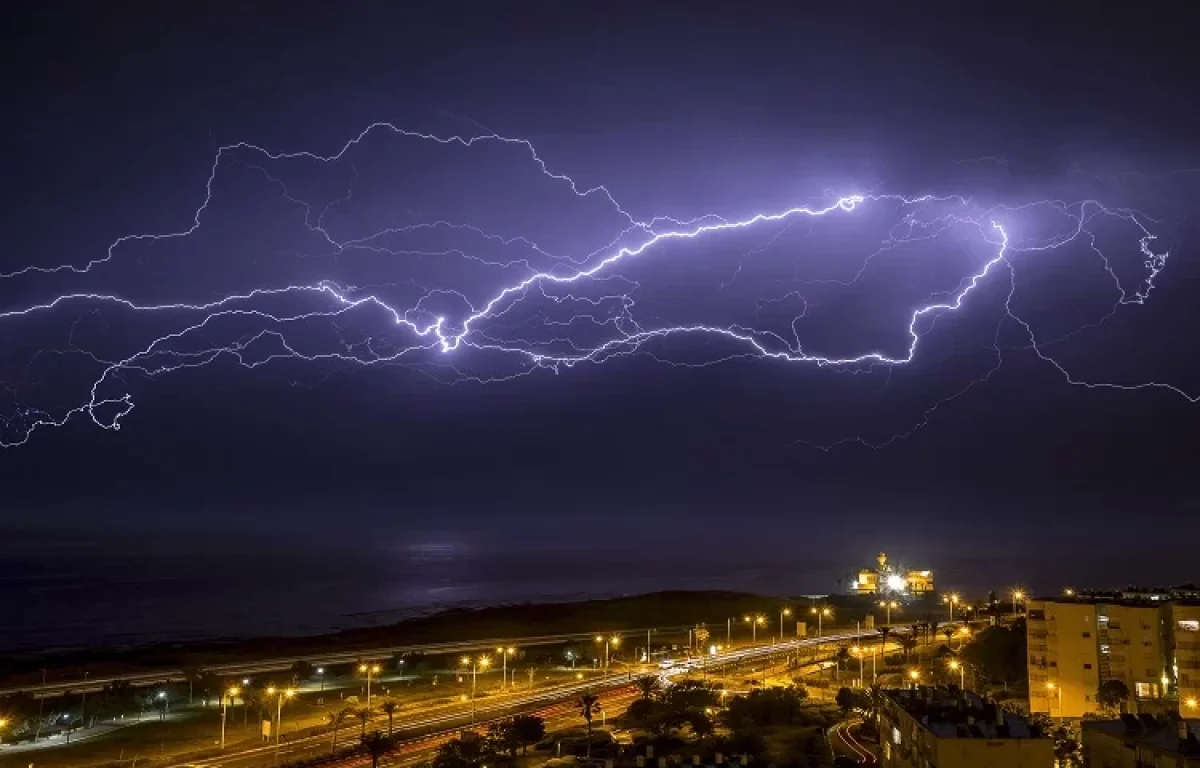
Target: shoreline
(456,623)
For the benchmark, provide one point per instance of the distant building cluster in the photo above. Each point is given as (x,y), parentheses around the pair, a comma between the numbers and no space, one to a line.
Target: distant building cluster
(885,579)
(1148,641)
(949,728)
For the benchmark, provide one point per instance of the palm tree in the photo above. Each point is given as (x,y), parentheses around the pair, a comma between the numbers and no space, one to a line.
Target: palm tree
(949,633)
(377,745)
(364,716)
(390,707)
(587,705)
(335,720)
(884,632)
(648,686)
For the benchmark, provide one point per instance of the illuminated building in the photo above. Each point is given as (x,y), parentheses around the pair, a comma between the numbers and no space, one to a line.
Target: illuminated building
(1077,643)
(926,726)
(888,580)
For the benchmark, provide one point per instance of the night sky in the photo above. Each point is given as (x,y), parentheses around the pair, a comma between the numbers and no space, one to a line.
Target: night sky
(679,110)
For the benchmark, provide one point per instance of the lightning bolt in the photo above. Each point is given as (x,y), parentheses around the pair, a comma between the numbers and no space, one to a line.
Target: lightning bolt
(597,300)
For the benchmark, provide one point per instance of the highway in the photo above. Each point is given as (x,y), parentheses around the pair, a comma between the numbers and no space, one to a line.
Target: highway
(430,729)
(326,658)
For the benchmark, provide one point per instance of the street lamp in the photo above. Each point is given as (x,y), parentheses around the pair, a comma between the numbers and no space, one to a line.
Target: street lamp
(280,694)
(1017,595)
(1053,687)
(755,622)
(914,675)
(782,613)
(475,664)
(226,697)
(321,674)
(3,725)
(825,611)
(609,643)
(951,600)
(1189,702)
(368,670)
(858,651)
(1069,592)
(889,605)
(504,654)
(962,671)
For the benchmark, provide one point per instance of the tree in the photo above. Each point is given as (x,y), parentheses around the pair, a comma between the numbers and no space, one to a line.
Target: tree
(883,634)
(469,751)
(335,720)
(377,745)
(1112,694)
(648,686)
(908,643)
(842,656)
(528,729)
(689,694)
(949,633)
(588,704)
(845,700)
(390,707)
(999,652)
(701,723)
(364,716)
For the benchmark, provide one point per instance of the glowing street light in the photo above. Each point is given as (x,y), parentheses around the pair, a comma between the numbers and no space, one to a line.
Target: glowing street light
(782,613)
(504,654)
(914,675)
(755,622)
(368,670)
(962,671)
(889,605)
(1069,592)
(951,600)
(609,643)
(226,698)
(1017,595)
(1058,688)
(280,694)
(821,613)
(321,674)
(1190,703)
(3,725)
(475,664)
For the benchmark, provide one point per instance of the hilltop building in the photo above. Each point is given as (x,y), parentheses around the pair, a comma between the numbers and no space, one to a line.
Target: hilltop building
(885,579)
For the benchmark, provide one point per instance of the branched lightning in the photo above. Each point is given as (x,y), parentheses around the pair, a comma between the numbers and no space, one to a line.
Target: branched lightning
(584,300)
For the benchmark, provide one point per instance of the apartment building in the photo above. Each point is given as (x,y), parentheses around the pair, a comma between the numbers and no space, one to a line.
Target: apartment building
(1076,643)
(948,728)
(1141,741)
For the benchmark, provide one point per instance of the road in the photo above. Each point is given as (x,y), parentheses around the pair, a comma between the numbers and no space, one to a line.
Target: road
(283,663)
(843,737)
(429,728)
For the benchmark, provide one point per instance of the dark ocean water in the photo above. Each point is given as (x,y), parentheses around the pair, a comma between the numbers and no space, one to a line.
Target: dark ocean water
(67,594)
(80,595)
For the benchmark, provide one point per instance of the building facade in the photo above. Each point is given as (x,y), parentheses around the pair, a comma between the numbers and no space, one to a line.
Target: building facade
(1076,644)
(886,579)
(1137,742)
(930,726)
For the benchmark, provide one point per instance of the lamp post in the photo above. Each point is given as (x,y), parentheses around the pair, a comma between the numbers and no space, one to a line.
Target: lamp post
(951,600)
(504,654)
(754,622)
(1190,702)
(280,694)
(782,613)
(321,674)
(226,697)
(858,651)
(3,725)
(475,664)
(609,643)
(1017,595)
(963,634)
(962,671)
(1058,688)
(820,613)
(888,605)
(915,676)
(368,670)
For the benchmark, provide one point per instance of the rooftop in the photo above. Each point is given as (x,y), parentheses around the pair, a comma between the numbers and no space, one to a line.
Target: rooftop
(953,714)
(1163,734)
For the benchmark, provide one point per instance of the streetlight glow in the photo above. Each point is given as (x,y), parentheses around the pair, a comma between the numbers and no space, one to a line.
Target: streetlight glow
(1191,702)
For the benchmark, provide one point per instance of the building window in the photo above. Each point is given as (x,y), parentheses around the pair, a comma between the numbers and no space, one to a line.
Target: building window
(1188,625)
(1087,666)
(1087,634)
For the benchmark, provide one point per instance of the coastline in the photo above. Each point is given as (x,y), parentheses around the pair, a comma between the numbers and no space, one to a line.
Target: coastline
(447,624)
